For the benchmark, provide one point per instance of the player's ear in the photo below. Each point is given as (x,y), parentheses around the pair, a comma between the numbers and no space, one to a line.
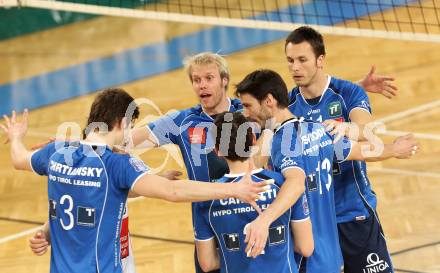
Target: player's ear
(123,123)
(320,61)
(269,100)
(225,81)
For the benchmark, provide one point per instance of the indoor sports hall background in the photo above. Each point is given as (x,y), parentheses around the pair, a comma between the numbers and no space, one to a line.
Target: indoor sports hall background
(53,62)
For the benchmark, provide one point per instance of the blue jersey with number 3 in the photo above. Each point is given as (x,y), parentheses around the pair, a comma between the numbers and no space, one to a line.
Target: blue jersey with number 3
(305,146)
(88,186)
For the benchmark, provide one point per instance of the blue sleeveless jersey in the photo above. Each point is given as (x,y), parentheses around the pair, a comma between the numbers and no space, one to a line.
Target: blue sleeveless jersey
(88,186)
(353,195)
(226,219)
(306,146)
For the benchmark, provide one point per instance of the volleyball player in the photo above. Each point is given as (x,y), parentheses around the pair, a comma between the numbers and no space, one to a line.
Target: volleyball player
(224,221)
(88,186)
(302,150)
(209,76)
(339,104)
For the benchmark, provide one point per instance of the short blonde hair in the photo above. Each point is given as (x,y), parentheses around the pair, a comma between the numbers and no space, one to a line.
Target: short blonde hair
(207,58)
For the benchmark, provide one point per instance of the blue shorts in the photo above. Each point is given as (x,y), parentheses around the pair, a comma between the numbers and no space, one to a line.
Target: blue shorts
(364,246)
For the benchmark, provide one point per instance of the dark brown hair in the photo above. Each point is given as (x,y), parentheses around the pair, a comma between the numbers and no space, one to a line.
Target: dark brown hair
(309,35)
(229,139)
(110,107)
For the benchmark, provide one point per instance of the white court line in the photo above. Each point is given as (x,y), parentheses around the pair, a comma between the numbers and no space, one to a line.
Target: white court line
(18,235)
(409,111)
(35,229)
(403,172)
(416,135)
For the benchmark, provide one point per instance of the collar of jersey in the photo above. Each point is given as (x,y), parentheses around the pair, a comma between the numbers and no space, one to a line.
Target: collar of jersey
(295,119)
(94,144)
(242,174)
(329,78)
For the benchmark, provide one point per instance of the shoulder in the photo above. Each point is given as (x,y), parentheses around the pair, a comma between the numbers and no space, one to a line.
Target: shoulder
(278,177)
(292,95)
(344,87)
(126,162)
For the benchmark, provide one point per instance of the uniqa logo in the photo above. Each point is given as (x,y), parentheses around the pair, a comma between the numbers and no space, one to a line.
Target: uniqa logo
(375,265)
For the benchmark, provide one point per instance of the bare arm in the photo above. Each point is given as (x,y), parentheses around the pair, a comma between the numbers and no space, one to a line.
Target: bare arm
(207,255)
(403,147)
(15,131)
(291,190)
(354,130)
(193,191)
(303,237)
(143,138)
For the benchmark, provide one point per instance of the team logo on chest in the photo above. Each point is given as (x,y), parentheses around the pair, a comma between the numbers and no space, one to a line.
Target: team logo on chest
(197,135)
(334,109)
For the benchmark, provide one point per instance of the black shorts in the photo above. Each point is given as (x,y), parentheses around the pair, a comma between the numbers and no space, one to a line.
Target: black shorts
(364,247)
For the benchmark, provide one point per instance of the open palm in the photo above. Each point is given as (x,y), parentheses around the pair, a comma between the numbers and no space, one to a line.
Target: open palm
(14,129)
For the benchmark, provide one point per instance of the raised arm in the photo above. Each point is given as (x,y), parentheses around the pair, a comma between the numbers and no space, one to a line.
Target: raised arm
(15,131)
(378,84)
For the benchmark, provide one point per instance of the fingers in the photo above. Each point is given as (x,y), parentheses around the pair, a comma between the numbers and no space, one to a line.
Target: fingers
(4,128)
(338,137)
(8,122)
(255,206)
(372,70)
(39,250)
(390,91)
(387,94)
(38,244)
(258,247)
(385,78)
(25,116)
(175,173)
(14,117)
(269,182)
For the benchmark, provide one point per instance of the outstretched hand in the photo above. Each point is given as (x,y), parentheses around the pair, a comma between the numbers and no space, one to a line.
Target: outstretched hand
(14,129)
(405,146)
(379,84)
(250,190)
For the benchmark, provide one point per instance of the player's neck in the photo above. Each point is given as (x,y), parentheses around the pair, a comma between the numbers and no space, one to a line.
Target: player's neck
(223,106)
(239,167)
(281,115)
(317,86)
(106,139)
